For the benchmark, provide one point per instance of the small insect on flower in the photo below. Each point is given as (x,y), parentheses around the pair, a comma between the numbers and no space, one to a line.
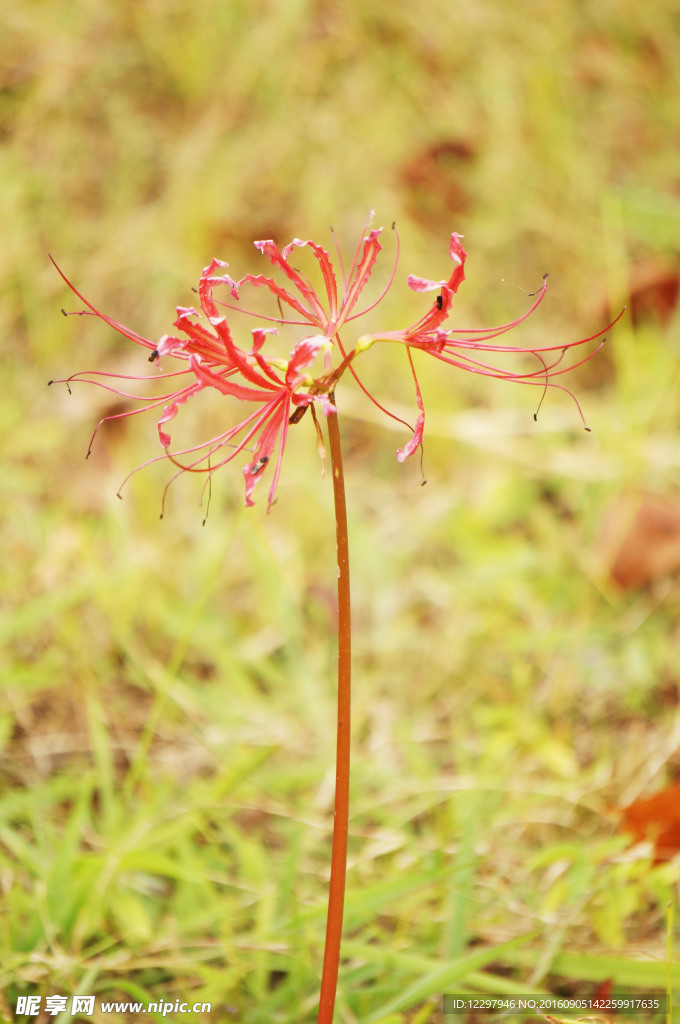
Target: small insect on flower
(440,302)
(154,355)
(260,464)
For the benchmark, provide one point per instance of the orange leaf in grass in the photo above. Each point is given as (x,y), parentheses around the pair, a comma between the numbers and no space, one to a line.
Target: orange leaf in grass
(656,818)
(641,539)
(604,989)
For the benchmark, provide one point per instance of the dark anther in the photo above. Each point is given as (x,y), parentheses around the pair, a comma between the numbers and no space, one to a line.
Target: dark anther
(531,294)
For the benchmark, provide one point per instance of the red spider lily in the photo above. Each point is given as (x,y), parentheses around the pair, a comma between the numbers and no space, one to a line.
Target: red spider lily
(280,390)
(452,346)
(310,306)
(213,359)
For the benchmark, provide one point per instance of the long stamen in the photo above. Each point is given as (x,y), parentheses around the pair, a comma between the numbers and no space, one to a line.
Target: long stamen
(261,316)
(123,415)
(355,258)
(132,335)
(368,394)
(341,262)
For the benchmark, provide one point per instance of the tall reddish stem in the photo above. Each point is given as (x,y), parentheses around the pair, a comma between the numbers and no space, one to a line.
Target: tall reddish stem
(336,895)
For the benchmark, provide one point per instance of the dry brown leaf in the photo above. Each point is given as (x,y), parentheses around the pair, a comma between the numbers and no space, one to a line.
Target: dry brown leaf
(641,539)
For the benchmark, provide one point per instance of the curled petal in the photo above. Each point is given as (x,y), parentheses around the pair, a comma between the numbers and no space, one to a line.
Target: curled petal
(261,281)
(171,410)
(458,255)
(456,278)
(237,357)
(169,345)
(200,341)
(269,248)
(327,271)
(206,285)
(361,270)
(277,418)
(421,284)
(414,443)
(254,471)
(260,336)
(417,439)
(302,356)
(447,289)
(183,312)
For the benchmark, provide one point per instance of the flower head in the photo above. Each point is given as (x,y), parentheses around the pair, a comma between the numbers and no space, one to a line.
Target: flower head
(460,347)
(276,391)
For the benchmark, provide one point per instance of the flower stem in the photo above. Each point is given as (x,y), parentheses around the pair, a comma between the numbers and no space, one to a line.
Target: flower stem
(336,895)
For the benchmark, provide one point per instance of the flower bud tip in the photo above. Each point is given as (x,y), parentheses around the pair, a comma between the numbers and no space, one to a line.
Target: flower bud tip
(364,344)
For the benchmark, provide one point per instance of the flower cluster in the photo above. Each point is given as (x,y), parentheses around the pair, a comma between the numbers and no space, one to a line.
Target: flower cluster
(277,392)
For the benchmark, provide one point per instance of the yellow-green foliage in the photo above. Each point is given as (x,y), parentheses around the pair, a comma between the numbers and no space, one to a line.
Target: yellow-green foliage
(167,712)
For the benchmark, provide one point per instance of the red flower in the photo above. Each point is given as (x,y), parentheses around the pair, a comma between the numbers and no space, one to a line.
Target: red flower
(280,390)
(452,347)
(274,386)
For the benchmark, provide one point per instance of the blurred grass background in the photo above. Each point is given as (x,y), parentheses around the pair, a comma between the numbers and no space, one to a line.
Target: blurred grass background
(167,705)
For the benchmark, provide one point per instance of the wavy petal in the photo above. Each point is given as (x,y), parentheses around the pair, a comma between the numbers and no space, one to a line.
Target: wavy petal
(414,443)
(361,271)
(327,271)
